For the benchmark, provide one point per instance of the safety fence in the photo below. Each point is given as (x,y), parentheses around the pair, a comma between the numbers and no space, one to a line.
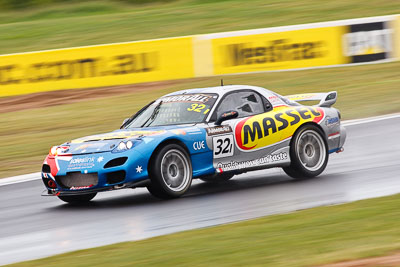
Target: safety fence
(364,40)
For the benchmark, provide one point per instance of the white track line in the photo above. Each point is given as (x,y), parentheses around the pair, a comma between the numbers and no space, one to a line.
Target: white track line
(370,119)
(37,175)
(20,178)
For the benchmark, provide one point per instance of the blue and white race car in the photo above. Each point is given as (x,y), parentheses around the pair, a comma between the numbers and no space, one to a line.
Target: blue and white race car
(209,133)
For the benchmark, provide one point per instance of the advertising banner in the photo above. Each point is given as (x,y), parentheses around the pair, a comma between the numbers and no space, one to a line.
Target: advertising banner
(294,49)
(397,37)
(333,43)
(96,66)
(369,41)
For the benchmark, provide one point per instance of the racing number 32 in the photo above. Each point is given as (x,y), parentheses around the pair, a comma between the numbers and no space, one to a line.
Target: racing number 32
(198,108)
(223,146)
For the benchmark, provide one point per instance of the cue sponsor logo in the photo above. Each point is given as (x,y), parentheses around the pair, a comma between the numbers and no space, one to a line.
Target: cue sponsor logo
(219,130)
(235,165)
(368,42)
(199,145)
(266,129)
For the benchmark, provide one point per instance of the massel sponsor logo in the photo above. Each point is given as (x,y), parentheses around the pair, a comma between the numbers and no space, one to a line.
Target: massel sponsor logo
(269,128)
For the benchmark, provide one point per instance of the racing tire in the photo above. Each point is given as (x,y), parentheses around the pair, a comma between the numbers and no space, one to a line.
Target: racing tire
(170,172)
(218,178)
(308,152)
(78,199)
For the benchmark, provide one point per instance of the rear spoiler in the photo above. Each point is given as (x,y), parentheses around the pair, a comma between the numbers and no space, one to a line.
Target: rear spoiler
(325,99)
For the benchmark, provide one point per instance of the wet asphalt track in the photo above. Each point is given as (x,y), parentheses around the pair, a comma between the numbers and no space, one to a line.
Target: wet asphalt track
(32,226)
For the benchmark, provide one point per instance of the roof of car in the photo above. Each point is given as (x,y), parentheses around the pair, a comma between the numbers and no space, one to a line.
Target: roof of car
(221,90)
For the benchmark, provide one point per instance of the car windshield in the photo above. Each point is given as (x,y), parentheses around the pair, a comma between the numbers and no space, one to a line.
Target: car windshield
(176,109)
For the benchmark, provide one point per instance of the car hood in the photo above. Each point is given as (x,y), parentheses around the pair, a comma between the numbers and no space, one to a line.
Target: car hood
(119,134)
(108,141)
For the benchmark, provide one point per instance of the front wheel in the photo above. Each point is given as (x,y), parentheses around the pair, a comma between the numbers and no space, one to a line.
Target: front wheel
(308,153)
(78,199)
(170,172)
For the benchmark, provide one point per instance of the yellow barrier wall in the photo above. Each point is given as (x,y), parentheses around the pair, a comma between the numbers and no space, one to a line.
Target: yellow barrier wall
(96,66)
(397,37)
(279,50)
(365,40)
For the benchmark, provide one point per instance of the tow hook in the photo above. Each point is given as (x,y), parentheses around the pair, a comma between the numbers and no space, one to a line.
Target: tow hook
(340,150)
(119,186)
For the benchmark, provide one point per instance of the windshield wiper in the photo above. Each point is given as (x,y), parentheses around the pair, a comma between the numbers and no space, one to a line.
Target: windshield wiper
(153,115)
(133,117)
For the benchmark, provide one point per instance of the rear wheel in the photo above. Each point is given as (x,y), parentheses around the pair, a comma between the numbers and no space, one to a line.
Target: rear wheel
(170,172)
(308,153)
(78,199)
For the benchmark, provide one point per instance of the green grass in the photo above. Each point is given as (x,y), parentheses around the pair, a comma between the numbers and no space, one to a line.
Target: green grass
(95,22)
(10,5)
(26,136)
(305,238)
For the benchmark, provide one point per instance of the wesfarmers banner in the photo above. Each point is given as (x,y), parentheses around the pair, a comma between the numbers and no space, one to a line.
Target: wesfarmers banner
(355,41)
(96,66)
(300,46)
(278,50)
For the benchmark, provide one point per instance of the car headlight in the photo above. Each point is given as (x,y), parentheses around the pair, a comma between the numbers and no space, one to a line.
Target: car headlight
(124,146)
(53,151)
(58,150)
(129,144)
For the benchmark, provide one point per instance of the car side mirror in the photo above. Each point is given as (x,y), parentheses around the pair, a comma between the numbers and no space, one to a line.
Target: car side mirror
(123,123)
(228,115)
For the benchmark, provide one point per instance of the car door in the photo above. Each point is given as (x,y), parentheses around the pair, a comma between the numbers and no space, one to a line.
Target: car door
(227,156)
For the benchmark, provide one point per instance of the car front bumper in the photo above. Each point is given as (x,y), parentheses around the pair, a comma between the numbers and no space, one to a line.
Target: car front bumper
(90,173)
